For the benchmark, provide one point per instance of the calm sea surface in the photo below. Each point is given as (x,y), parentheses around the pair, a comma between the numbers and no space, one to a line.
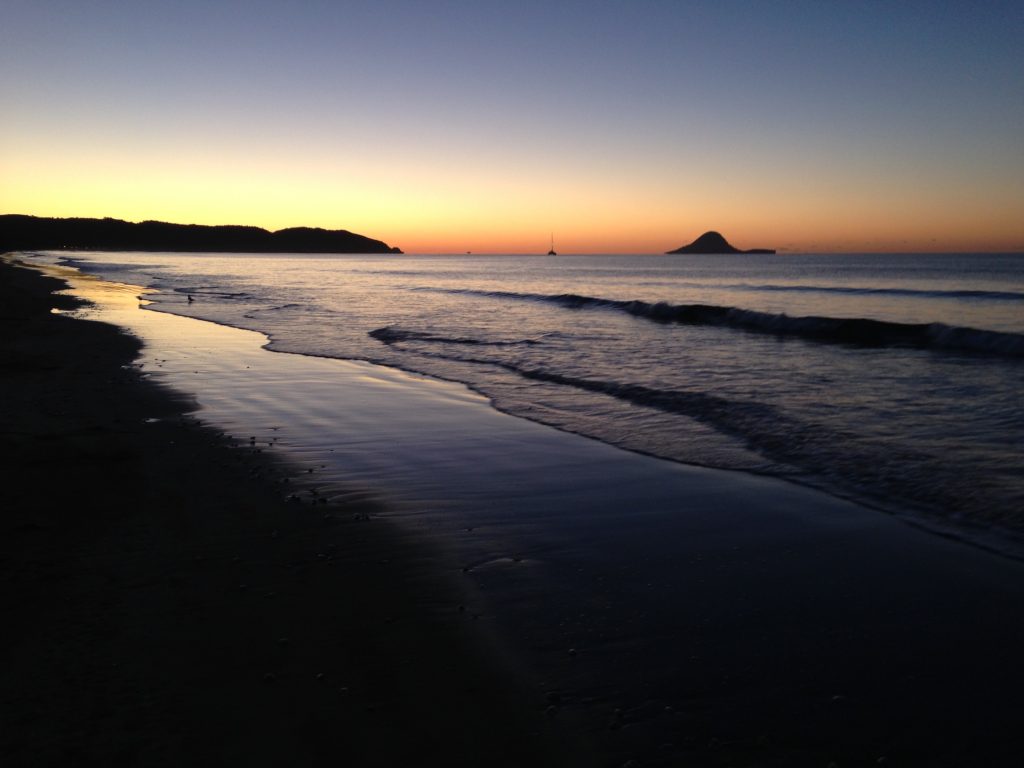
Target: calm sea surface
(893,379)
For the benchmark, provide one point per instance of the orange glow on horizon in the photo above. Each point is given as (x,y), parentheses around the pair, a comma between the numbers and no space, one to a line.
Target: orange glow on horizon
(503,126)
(483,239)
(431,208)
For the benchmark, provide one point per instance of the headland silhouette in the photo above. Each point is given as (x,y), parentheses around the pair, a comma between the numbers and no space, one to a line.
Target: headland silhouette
(20,232)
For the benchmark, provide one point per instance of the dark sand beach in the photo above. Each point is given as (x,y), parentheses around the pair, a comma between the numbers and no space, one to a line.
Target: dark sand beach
(167,607)
(164,606)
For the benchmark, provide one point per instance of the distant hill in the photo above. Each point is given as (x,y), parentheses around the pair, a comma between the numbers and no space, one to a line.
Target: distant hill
(32,232)
(712,242)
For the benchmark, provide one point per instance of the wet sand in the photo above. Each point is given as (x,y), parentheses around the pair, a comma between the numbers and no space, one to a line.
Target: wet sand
(163,605)
(664,614)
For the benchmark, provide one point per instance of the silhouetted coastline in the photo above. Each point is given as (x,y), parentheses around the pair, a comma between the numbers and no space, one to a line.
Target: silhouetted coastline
(712,242)
(20,232)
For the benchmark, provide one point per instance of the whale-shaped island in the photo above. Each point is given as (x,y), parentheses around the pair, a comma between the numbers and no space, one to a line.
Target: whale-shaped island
(713,242)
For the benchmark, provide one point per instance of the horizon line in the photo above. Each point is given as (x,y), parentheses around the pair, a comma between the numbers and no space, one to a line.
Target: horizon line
(1016,250)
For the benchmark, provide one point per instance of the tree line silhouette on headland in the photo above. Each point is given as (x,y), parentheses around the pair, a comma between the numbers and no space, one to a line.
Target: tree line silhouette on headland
(19,232)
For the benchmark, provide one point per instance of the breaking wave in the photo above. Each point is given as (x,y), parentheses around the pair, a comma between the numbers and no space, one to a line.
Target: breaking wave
(871,291)
(389,335)
(855,331)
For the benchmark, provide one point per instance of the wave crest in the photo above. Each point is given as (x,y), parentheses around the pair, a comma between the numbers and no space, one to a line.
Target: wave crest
(390,335)
(864,332)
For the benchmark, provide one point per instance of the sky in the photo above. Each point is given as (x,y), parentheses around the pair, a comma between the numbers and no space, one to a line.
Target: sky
(620,127)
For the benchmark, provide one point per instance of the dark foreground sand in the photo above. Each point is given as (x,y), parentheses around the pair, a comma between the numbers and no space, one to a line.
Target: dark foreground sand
(163,606)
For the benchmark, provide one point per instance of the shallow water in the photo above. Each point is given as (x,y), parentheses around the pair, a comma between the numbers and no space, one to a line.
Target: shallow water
(894,380)
(678,610)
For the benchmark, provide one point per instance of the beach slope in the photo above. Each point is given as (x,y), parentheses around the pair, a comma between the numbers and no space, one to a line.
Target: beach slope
(164,605)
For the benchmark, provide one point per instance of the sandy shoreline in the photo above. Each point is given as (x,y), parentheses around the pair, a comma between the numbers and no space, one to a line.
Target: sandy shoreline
(164,606)
(715,618)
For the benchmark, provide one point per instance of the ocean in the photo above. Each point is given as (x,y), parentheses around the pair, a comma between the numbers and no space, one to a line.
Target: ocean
(677,612)
(893,380)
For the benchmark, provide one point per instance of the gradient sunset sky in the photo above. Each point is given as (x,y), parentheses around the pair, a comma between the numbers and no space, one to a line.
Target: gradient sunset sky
(483,126)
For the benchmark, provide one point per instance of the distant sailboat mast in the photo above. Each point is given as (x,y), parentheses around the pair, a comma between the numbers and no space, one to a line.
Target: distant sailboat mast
(552,251)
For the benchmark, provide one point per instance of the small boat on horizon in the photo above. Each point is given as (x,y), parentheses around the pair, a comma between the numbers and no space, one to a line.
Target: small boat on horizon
(552,251)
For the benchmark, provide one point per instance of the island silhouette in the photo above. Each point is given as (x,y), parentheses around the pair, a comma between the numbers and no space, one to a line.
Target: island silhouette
(713,242)
(19,232)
